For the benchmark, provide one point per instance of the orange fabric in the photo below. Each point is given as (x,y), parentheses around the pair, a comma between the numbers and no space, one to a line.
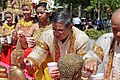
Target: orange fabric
(27,52)
(6,53)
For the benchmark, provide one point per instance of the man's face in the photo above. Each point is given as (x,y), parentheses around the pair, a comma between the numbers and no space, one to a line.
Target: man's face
(116,26)
(116,31)
(60,31)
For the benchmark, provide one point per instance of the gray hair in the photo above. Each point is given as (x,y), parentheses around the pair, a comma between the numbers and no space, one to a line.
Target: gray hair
(62,17)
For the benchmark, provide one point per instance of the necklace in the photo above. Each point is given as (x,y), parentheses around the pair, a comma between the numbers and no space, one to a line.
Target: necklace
(24,23)
(9,27)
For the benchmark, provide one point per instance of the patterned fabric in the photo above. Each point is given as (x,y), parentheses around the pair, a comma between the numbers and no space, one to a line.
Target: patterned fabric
(110,63)
(111,56)
(70,66)
(79,43)
(7,50)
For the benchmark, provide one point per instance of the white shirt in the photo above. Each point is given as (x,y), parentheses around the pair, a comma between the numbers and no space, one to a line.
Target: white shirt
(81,45)
(105,42)
(76,20)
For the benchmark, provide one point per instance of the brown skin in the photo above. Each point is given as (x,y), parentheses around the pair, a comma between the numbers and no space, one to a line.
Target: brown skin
(43,20)
(60,31)
(26,12)
(116,25)
(9,18)
(42,16)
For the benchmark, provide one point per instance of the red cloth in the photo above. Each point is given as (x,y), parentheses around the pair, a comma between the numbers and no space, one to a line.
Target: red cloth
(6,54)
(27,52)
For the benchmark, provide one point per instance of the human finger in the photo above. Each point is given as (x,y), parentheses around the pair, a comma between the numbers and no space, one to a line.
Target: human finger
(95,68)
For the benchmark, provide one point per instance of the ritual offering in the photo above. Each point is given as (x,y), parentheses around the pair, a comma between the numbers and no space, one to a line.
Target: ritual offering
(70,66)
(15,73)
(3,73)
(17,55)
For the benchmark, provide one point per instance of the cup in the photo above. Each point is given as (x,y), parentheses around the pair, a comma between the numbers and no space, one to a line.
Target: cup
(2,39)
(52,66)
(98,76)
(29,41)
(20,32)
(9,39)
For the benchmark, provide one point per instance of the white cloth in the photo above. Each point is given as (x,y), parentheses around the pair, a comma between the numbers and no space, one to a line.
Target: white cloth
(81,45)
(76,20)
(105,42)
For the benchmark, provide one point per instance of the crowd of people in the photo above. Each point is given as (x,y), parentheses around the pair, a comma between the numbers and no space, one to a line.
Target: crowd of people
(87,23)
(36,41)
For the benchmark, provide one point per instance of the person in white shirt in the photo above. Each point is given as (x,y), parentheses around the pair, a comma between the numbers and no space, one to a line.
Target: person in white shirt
(77,22)
(110,43)
(64,38)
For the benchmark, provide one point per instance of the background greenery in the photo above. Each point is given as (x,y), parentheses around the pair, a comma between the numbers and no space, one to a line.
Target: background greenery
(95,34)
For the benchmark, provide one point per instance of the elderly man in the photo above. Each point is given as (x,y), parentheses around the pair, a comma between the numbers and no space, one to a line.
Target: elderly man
(110,43)
(63,39)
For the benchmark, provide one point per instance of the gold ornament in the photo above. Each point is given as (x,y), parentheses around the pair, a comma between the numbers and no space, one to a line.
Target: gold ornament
(3,73)
(24,23)
(15,73)
(6,26)
(110,62)
(17,55)
(44,1)
(7,29)
(99,51)
(27,2)
(9,7)
(18,8)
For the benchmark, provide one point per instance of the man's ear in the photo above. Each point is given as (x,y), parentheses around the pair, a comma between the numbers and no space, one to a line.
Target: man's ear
(71,25)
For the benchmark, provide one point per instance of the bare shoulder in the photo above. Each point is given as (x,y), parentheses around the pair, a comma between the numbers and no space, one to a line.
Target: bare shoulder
(17,26)
(35,26)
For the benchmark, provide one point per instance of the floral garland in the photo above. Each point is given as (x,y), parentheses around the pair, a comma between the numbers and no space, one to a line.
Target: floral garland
(24,23)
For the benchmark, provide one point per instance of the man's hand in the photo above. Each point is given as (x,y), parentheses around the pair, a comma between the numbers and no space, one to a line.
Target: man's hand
(27,65)
(91,65)
(55,73)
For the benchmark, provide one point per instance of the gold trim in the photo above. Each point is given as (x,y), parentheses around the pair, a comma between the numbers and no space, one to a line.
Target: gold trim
(42,45)
(34,65)
(71,48)
(109,66)
(99,51)
(82,53)
(6,26)
(24,23)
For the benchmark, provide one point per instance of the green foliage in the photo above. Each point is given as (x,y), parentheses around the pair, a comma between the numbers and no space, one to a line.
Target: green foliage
(74,4)
(104,4)
(95,34)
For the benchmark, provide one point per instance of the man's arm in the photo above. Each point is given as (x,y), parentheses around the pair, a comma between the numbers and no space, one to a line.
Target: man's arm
(37,56)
